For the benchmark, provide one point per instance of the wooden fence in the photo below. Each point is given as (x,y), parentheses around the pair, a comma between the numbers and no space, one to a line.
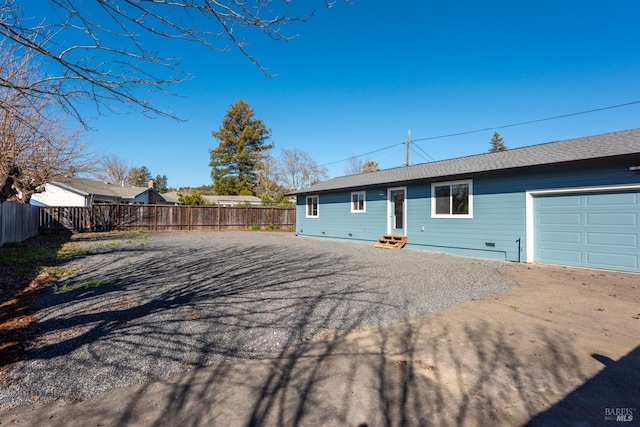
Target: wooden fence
(164,218)
(18,222)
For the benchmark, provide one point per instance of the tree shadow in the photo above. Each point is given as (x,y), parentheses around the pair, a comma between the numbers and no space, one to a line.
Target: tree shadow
(402,375)
(612,395)
(21,282)
(265,335)
(131,314)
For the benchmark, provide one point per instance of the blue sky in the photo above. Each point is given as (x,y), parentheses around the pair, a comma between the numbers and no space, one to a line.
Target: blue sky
(360,75)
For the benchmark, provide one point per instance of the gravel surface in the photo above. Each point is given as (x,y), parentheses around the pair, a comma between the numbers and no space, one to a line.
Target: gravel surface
(140,307)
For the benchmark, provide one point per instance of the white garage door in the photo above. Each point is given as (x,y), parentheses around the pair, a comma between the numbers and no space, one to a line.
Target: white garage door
(599,230)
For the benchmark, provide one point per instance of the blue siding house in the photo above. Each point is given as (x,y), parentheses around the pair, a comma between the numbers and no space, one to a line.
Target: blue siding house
(573,202)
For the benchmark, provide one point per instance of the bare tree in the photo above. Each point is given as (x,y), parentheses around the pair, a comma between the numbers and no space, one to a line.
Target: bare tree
(267,177)
(296,169)
(36,145)
(354,165)
(113,169)
(94,50)
(36,153)
(139,177)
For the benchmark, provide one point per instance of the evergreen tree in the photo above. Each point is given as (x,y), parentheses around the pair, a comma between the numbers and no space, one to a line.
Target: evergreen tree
(242,143)
(160,183)
(497,143)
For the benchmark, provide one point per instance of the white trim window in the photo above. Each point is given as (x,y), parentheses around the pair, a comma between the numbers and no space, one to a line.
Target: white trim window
(452,199)
(358,202)
(313,206)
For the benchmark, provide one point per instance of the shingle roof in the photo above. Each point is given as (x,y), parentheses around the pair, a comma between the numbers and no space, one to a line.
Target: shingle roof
(85,186)
(232,199)
(173,196)
(585,148)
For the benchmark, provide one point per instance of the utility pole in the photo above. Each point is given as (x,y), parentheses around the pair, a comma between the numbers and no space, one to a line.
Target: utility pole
(406,162)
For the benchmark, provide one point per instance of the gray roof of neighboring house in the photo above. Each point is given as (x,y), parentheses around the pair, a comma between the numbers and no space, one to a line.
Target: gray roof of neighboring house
(232,199)
(173,196)
(585,148)
(85,187)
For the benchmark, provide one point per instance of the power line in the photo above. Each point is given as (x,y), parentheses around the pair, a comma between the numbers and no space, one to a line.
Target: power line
(427,154)
(361,155)
(419,154)
(388,153)
(529,122)
(562,116)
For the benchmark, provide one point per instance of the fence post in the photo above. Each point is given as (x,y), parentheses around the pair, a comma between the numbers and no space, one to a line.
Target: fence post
(218,217)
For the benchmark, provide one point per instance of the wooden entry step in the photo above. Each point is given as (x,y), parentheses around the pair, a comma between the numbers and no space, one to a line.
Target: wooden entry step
(391,241)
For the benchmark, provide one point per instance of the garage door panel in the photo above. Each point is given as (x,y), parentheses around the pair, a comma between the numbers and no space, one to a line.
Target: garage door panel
(615,240)
(599,230)
(612,200)
(562,219)
(560,237)
(612,219)
(612,260)
(559,201)
(565,256)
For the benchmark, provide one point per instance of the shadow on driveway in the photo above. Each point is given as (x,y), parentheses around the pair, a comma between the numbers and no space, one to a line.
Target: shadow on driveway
(222,331)
(610,398)
(414,373)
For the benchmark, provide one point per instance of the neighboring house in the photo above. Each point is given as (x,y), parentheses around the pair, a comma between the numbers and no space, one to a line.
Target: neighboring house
(73,191)
(573,202)
(172,198)
(234,200)
(221,200)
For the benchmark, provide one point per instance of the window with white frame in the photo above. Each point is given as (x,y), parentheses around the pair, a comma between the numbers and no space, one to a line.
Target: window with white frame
(358,202)
(452,199)
(312,206)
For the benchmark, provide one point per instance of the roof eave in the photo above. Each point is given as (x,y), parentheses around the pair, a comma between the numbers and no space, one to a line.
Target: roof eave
(69,188)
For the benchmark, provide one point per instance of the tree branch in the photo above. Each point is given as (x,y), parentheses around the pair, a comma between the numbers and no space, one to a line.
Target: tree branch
(99,52)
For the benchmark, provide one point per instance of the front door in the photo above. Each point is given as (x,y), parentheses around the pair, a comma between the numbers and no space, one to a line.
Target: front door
(396,211)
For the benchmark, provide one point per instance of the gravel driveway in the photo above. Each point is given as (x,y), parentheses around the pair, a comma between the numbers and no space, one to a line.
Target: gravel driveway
(144,306)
